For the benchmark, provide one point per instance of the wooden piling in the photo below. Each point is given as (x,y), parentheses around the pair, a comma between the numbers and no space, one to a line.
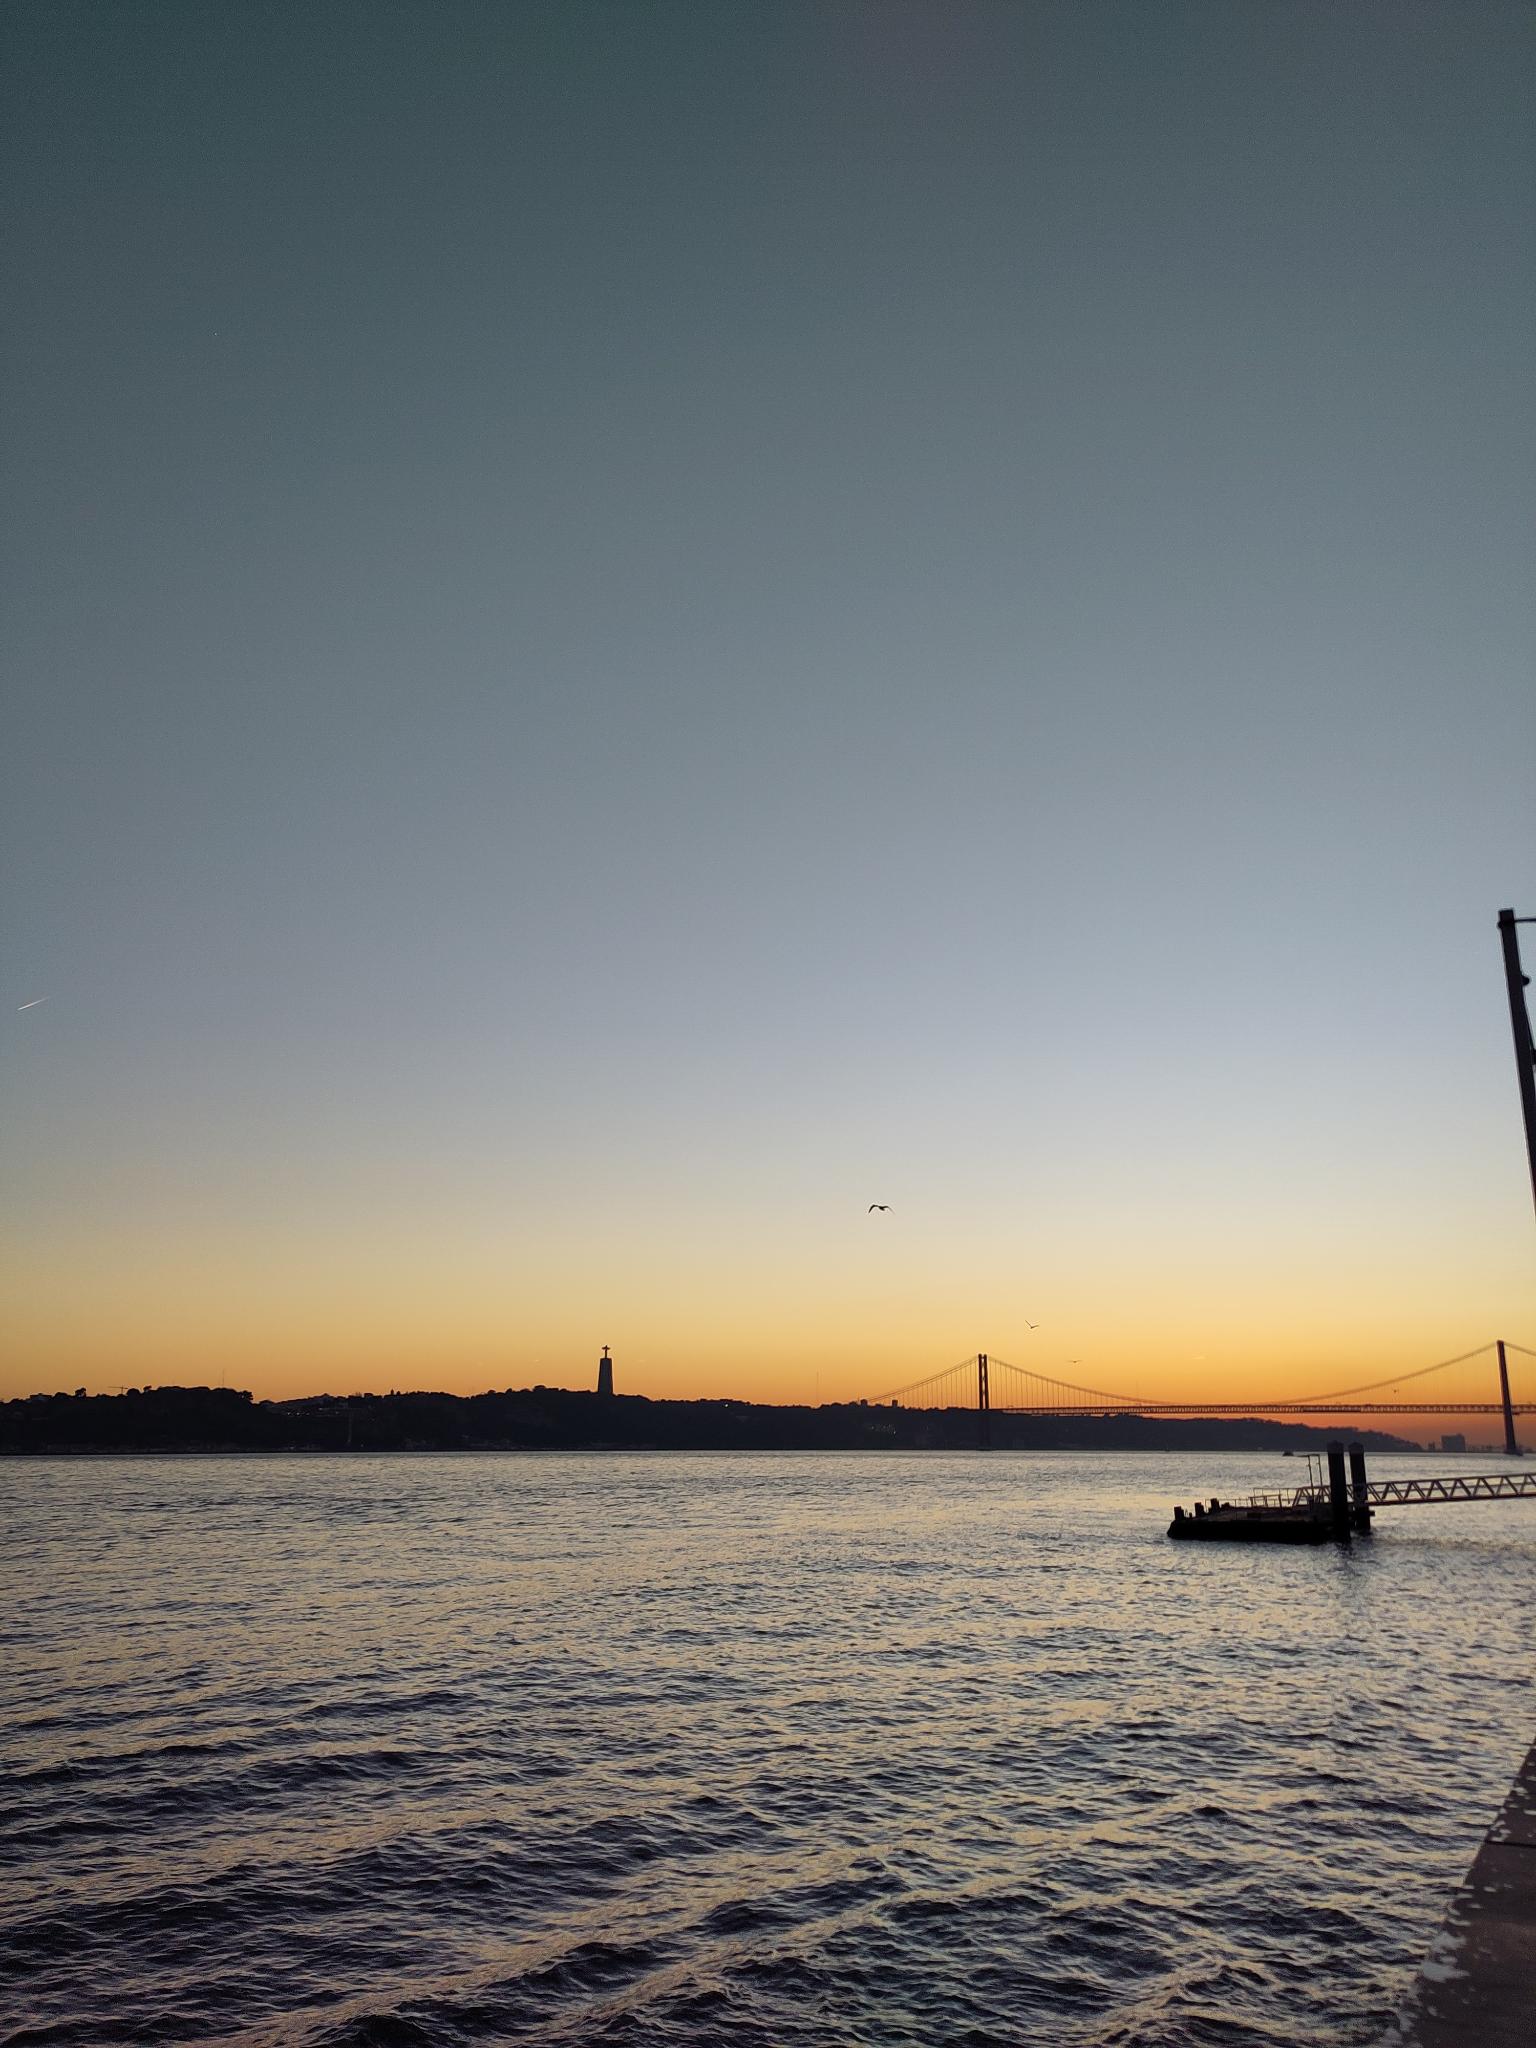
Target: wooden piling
(1361,1499)
(1338,1494)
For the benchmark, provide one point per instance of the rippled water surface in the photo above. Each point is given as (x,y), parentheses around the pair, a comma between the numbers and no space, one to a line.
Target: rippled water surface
(711,1749)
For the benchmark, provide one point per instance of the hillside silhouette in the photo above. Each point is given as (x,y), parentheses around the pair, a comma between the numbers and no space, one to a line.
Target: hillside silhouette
(556,1418)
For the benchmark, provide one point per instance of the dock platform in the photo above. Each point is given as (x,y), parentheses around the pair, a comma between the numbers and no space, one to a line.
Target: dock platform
(1237,1522)
(1478,1983)
(1341,1510)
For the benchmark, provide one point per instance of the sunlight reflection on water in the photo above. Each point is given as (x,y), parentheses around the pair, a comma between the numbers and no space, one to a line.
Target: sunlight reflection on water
(690,1748)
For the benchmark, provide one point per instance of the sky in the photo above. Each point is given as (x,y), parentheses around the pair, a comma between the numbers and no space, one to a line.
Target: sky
(630,627)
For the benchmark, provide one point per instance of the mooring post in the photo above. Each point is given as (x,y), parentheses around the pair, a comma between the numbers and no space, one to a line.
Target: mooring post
(983,1404)
(1511,1448)
(1357,1487)
(1338,1494)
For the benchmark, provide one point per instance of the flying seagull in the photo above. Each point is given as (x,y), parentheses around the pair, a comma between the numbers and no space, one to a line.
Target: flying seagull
(1029,1325)
(878,1205)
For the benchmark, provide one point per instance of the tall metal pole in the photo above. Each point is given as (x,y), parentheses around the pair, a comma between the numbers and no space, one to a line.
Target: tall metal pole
(983,1404)
(1520,1024)
(1511,1448)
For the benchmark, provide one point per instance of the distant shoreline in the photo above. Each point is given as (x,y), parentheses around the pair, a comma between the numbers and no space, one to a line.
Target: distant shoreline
(595,1450)
(222,1421)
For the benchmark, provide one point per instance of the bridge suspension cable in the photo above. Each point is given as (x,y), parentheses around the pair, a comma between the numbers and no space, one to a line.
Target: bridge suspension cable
(967,1366)
(1399,1378)
(1068,1386)
(960,1385)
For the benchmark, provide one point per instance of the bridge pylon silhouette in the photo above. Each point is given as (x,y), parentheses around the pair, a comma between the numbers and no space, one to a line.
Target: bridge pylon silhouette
(992,1385)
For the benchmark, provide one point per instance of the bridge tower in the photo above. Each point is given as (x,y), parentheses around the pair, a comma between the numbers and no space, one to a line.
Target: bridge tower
(1511,1448)
(983,1404)
(605,1376)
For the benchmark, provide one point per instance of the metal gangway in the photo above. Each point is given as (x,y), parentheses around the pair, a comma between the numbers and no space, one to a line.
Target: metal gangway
(1407,1493)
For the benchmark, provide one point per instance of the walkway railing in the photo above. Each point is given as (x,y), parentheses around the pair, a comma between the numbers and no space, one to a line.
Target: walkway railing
(1406,1493)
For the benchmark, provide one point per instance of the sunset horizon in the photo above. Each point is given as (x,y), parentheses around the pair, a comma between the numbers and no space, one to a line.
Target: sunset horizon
(765,826)
(1417,1381)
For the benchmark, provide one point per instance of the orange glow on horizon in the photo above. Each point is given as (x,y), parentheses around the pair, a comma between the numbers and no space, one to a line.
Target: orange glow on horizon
(359,1325)
(784,1297)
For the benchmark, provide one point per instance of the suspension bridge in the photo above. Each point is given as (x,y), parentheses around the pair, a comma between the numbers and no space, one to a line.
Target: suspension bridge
(1478,1383)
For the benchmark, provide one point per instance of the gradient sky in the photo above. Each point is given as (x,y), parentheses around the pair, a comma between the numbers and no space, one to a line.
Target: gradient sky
(630,627)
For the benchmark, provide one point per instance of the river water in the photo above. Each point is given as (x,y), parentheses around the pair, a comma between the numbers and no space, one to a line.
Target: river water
(696,1749)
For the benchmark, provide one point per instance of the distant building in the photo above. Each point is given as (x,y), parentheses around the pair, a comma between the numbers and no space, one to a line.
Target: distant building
(605,1376)
(1453,1443)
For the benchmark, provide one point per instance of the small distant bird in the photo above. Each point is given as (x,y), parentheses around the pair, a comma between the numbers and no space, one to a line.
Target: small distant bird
(32,1005)
(1029,1325)
(878,1205)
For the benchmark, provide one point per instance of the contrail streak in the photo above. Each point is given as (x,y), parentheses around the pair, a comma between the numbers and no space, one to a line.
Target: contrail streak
(32,1005)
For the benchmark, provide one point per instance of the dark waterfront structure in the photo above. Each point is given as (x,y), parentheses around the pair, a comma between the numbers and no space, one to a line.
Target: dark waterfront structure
(1476,1983)
(605,1376)
(1223,1522)
(1341,1509)
(1313,1515)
